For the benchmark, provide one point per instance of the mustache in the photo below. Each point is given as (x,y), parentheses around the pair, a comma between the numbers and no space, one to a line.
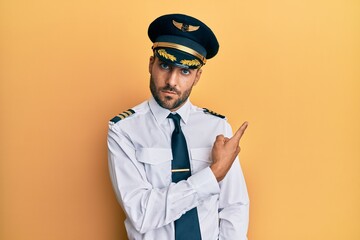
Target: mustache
(170,89)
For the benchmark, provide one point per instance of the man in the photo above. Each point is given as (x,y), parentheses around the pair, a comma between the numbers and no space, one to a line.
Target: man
(173,165)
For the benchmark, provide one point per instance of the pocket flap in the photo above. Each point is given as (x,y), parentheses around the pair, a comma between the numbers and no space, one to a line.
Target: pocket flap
(201,154)
(153,155)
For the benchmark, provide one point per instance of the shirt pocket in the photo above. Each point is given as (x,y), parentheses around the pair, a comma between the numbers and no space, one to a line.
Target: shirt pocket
(157,164)
(201,158)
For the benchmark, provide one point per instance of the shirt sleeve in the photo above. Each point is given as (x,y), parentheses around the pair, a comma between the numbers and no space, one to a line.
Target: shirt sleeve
(233,203)
(147,207)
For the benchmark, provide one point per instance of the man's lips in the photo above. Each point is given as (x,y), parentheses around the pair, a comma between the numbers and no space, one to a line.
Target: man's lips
(169,92)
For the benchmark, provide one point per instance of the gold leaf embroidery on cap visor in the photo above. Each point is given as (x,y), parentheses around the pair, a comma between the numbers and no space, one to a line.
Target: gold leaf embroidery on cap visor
(190,63)
(166,55)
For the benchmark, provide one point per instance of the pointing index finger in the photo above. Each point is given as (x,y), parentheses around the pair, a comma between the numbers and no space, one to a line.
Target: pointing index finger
(237,136)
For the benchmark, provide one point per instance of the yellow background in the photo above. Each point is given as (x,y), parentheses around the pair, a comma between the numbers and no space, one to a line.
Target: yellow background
(289,67)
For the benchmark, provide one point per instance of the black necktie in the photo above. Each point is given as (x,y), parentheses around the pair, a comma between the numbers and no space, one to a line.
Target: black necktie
(187,226)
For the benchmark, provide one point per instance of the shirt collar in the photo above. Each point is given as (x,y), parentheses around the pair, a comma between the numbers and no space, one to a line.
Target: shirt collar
(161,113)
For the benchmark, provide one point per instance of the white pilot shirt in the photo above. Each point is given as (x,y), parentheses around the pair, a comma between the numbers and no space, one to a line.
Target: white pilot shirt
(140,169)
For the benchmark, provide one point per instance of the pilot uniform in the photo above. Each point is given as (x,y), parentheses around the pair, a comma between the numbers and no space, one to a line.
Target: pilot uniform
(140,155)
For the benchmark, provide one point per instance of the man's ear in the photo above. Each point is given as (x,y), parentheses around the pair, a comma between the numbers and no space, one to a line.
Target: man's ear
(151,63)
(198,75)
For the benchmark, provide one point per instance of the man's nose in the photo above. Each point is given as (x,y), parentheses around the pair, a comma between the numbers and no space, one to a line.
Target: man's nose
(172,78)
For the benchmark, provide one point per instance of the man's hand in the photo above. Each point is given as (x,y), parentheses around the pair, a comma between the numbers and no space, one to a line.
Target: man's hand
(225,151)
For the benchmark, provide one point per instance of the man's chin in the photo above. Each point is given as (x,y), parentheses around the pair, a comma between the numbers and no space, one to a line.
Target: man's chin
(168,104)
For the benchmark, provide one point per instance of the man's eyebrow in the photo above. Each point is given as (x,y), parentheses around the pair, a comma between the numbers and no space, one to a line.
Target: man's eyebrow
(160,61)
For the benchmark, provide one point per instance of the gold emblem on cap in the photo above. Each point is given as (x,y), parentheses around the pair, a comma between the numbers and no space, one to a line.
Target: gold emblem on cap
(185,27)
(190,63)
(166,55)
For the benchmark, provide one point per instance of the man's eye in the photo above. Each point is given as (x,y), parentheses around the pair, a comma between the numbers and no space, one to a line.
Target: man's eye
(185,71)
(164,66)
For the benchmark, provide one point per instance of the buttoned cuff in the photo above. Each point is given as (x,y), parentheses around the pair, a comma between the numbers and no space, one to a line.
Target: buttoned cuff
(204,183)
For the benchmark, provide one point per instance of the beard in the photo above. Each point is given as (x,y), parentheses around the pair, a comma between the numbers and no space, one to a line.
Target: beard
(169,102)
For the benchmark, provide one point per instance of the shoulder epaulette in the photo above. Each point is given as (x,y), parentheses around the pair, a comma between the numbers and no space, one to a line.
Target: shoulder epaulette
(122,116)
(213,113)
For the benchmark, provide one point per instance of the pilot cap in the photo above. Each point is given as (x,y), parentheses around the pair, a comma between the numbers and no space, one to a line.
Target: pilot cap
(182,40)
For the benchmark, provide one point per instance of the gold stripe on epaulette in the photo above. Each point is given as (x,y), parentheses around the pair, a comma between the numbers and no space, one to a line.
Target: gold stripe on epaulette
(122,116)
(213,113)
